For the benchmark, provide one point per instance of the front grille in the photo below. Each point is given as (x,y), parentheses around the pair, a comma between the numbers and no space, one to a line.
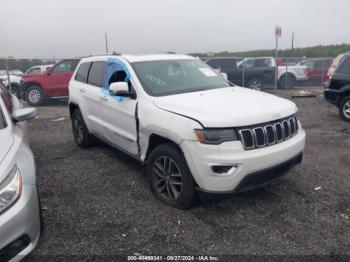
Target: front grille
(268,134)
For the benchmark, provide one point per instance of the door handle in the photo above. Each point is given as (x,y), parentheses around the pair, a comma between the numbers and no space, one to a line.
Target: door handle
(82,90)
(104,98)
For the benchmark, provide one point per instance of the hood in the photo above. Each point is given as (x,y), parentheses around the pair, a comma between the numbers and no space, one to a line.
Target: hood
(12,77)
(34,75)
(228,107)
(6,142)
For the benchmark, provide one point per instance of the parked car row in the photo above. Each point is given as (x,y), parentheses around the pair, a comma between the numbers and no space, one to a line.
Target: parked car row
(193,130)
(257,72)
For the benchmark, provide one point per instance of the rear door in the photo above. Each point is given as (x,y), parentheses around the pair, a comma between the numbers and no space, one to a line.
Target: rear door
(58,79)
(264,69)
(92,92)
(228,66)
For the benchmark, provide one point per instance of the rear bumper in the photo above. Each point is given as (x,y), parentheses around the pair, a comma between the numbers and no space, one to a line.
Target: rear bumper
(332,96)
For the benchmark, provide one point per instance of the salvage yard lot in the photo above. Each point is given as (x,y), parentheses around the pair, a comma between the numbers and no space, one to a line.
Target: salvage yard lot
(97,201)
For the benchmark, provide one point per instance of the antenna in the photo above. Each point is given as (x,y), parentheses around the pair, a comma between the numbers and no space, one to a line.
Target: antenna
(106,41)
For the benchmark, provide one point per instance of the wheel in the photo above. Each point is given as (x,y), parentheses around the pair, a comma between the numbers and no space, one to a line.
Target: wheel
(256,84)
(344,108)
(81,134)
(170,178)
(289,82)
(35,95)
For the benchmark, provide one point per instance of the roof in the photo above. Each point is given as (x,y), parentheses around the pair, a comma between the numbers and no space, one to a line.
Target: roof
(142,58)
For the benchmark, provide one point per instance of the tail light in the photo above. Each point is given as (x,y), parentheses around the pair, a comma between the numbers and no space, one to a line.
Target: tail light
(327,80)
(327,76)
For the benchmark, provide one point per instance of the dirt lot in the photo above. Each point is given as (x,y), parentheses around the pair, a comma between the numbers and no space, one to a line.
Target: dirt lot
(97,201)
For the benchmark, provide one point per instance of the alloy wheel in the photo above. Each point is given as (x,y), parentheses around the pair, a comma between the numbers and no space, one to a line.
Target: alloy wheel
(34,96)
(78,129)
(346,109)
(256,85)
(167,178)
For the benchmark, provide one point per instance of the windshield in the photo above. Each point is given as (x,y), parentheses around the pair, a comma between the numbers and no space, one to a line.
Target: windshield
(160,78)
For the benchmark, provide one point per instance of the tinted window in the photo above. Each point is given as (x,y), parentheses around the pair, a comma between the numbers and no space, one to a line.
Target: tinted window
(96,74)
(34,70)
(66,66)
(214,63)
(221,63)
(310,64)
(344,67)
(7,98)
(82,73)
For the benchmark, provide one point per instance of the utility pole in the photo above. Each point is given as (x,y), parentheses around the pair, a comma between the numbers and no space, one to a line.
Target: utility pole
(106,41)
(292,45)
(8,75)
(278,33)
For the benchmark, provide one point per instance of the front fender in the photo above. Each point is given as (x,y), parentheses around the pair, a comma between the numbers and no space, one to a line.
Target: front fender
(156,121)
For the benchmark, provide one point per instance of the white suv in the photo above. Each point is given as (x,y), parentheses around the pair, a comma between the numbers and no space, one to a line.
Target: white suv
(191,128)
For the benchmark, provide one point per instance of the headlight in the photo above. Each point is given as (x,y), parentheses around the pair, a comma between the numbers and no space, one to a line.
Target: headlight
(10,189)
(215,136)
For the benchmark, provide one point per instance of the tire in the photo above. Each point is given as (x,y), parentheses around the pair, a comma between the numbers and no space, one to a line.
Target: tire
(35,95)
(291,81)
(256,84)
(344,109)
(175,185)
(81,134)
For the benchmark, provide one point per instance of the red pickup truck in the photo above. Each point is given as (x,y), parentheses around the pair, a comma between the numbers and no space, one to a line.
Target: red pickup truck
(53,83)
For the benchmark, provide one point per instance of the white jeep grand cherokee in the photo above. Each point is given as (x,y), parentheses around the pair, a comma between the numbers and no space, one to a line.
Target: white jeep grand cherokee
(191,128)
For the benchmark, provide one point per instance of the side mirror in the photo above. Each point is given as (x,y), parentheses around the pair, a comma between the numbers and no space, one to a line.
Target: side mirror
(120,89)
(48,70)
(24,114)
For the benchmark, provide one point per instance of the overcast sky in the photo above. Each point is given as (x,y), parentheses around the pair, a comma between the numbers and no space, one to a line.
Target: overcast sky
(65,28)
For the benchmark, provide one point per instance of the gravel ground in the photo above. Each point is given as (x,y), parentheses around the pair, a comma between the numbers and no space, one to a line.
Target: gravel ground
(97,201)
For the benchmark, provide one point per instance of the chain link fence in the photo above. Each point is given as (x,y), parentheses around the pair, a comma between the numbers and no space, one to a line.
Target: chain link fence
(268,73)
(44,82)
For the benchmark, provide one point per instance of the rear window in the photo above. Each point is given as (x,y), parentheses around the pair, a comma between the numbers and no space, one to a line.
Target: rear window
(82,73)
(344,67)
(96,74)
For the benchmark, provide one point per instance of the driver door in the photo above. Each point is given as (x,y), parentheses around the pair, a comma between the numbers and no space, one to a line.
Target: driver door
(118,115)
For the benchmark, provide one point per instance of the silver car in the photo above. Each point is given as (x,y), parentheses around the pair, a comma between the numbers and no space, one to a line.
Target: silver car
(20,220)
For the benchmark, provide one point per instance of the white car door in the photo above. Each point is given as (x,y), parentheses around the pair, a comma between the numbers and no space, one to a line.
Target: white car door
(119,121)
(91,95)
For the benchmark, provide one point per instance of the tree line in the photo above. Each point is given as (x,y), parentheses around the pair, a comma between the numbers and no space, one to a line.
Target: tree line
(309,52)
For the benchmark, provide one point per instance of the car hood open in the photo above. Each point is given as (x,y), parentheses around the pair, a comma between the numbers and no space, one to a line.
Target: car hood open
(228,107)
(6,142)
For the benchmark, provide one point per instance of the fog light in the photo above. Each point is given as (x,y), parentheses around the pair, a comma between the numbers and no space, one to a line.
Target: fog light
(224,170)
